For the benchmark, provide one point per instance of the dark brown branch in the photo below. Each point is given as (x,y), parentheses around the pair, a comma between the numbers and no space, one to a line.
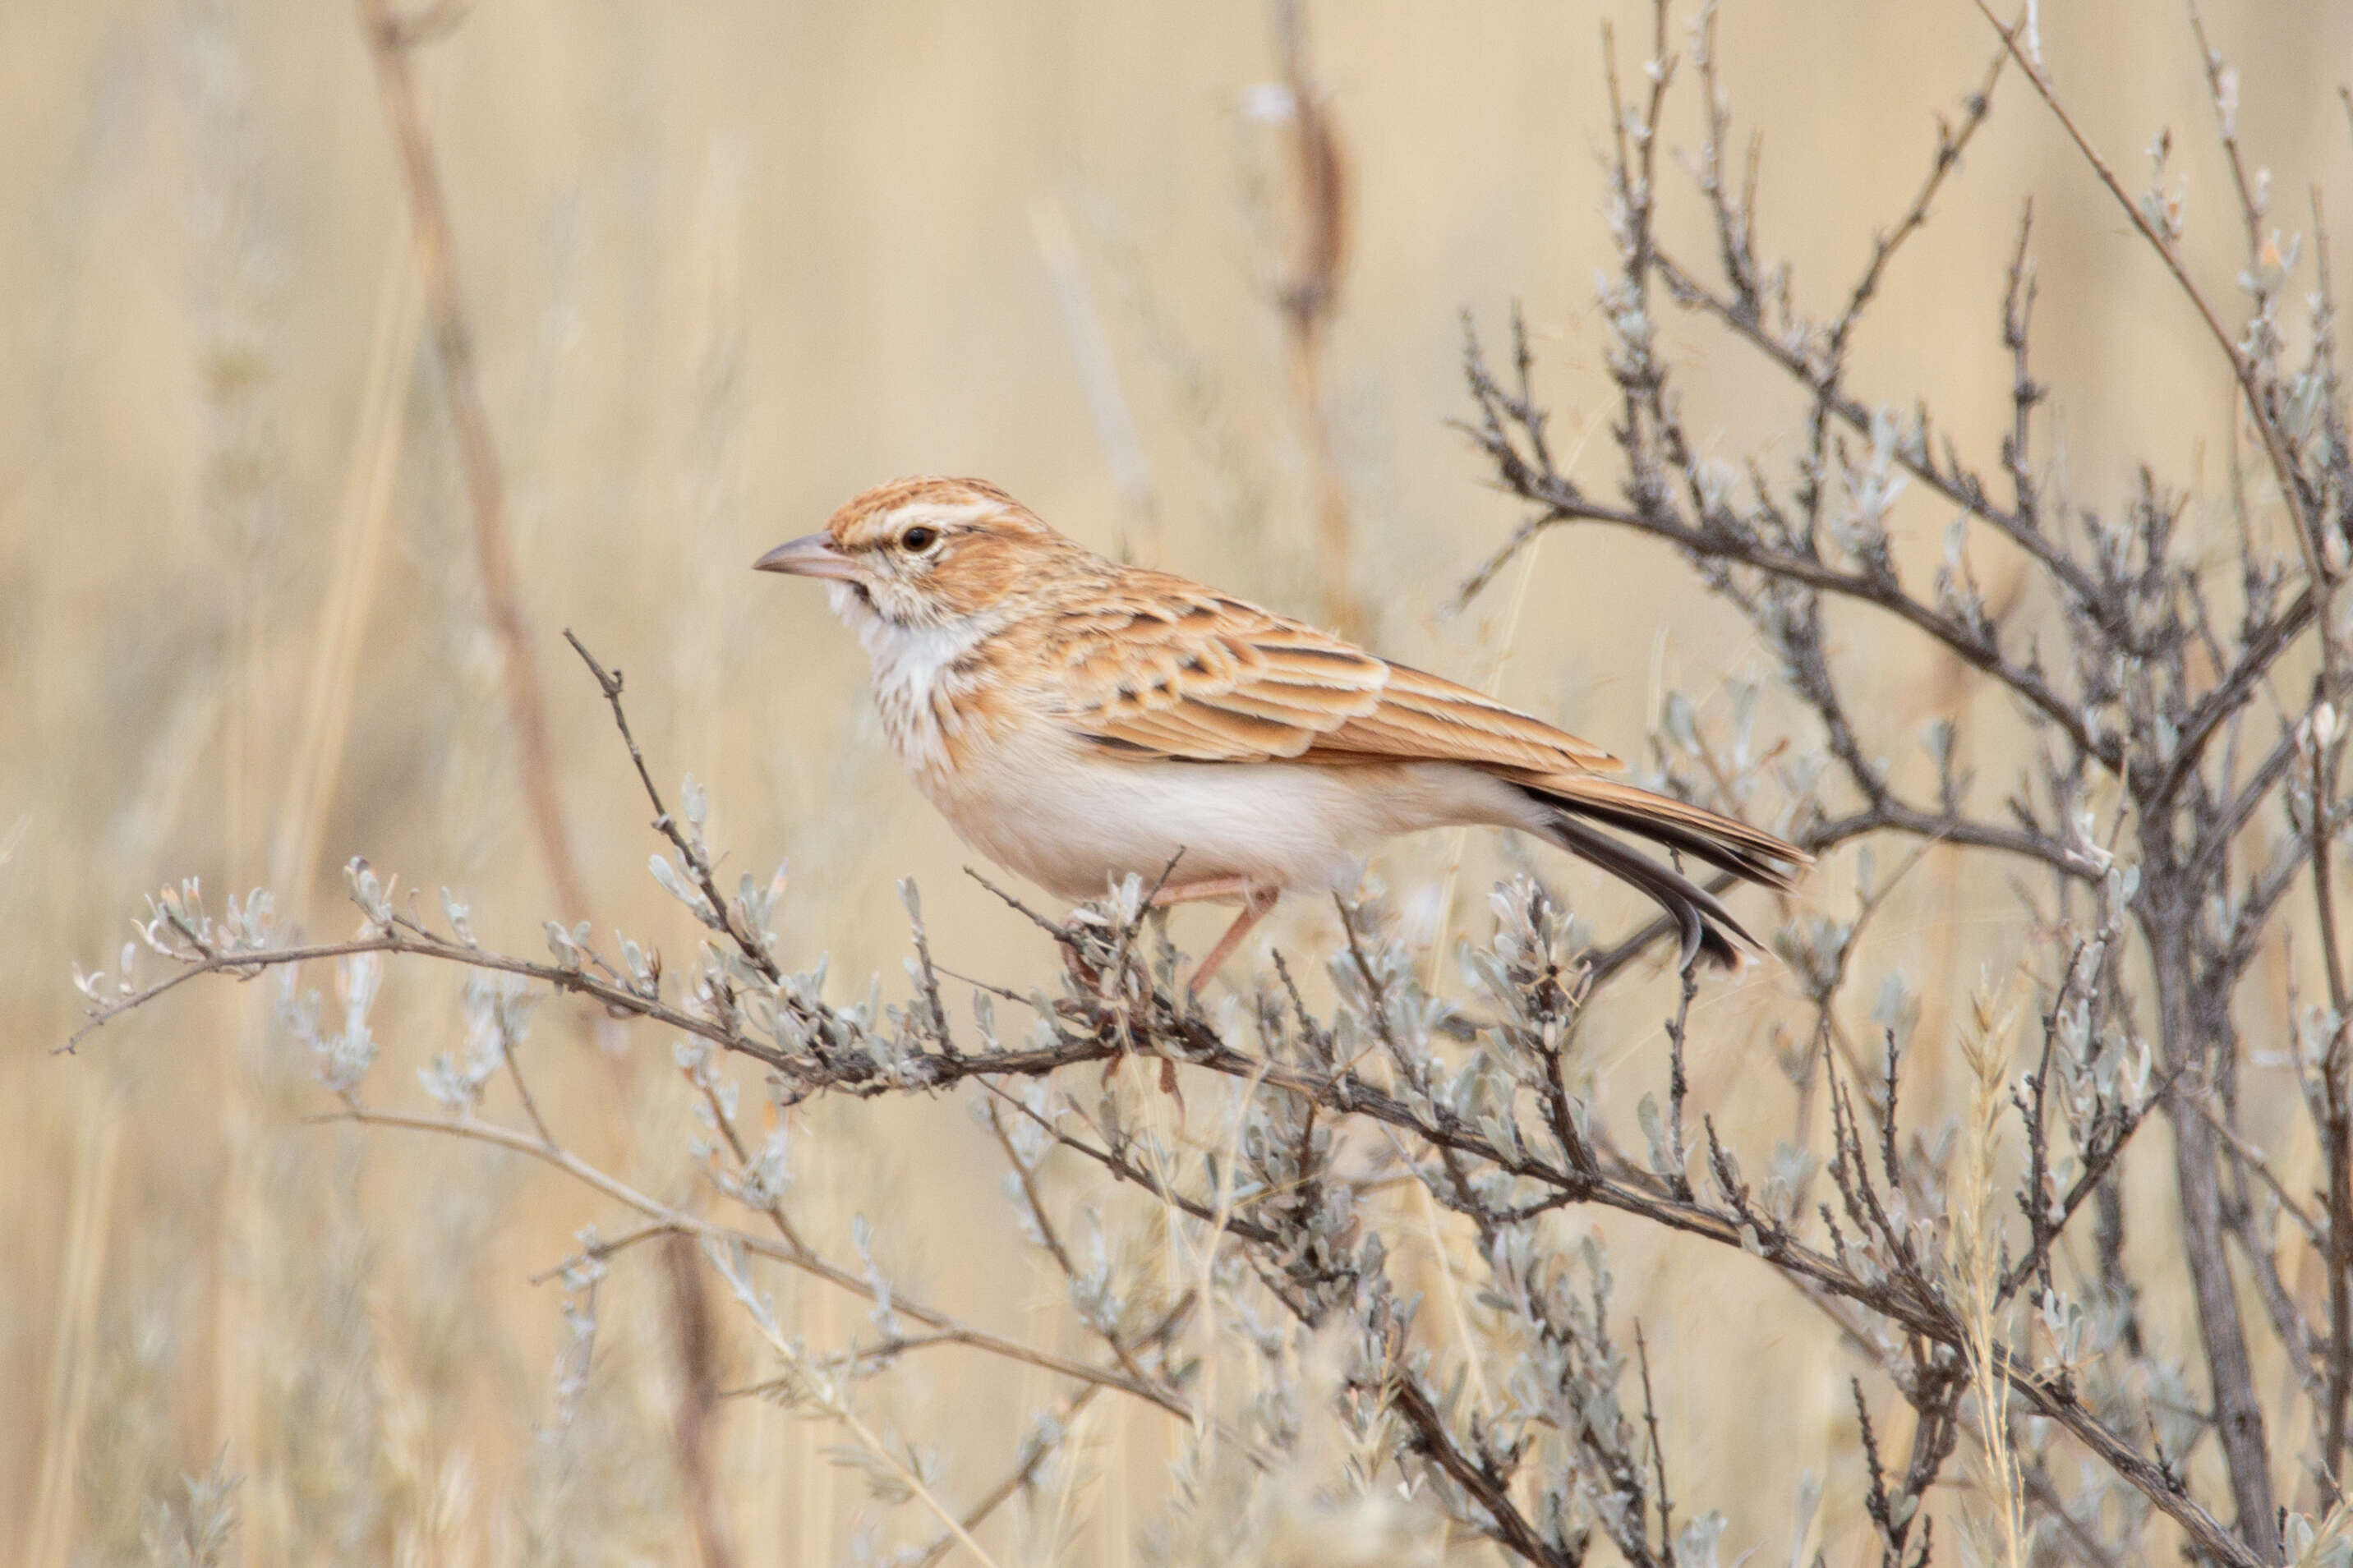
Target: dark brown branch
(1564,502)
(1491,1491)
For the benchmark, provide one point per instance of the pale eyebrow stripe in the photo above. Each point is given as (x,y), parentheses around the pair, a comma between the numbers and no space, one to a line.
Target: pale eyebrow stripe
(933,513)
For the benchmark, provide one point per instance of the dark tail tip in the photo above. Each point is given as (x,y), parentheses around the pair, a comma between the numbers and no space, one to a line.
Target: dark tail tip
(1707,929)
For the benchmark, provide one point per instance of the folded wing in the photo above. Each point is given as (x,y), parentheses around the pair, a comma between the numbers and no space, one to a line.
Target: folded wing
(1169,669)
(1166,668)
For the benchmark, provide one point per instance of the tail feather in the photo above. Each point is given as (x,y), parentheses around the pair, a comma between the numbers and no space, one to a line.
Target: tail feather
(1581,801)
(1706,926)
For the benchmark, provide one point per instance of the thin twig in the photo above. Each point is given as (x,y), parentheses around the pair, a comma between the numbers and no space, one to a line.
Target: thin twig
(808,1262)
(2284,464)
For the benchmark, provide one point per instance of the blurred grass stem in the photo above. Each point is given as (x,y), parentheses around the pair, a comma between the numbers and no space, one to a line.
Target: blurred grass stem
(87,1223)
(367,506)
(1311,300)
(389,40)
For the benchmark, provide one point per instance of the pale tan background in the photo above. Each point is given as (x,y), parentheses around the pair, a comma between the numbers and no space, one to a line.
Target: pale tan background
(728,263)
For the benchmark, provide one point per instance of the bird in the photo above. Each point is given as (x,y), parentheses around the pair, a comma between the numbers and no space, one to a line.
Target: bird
(1078,720)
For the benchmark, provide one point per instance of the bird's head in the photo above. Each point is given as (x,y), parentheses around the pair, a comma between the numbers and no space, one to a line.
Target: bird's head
(927,552)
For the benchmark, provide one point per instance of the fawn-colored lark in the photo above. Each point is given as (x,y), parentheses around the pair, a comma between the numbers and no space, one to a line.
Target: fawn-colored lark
(1076,720)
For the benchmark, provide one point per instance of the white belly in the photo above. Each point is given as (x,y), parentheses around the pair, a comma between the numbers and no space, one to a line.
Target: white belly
(1073,822)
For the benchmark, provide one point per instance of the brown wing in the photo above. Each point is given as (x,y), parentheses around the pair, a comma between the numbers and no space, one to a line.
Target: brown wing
(1157,667)
(1161,667)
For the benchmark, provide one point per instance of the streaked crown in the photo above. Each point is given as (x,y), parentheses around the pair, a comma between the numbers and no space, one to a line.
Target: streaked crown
(937,551)
(880,515)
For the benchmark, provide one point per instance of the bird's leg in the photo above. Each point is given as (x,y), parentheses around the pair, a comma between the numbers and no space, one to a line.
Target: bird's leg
(1215,888)
(1257,900)
(1198,892)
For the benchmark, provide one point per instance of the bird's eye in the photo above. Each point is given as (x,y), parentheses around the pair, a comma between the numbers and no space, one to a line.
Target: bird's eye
(917,540)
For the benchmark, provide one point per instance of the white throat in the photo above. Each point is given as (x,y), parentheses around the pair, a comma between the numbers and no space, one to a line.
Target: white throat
(912,665)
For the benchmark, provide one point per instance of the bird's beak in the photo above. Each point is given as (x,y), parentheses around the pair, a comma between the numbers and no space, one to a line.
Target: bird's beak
(813,555)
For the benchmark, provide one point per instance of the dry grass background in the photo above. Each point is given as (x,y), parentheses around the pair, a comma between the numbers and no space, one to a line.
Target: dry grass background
(728,263)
